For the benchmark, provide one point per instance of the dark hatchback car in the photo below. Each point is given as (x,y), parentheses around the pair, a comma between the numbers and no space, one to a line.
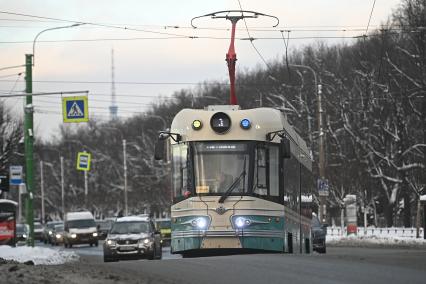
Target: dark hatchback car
(319,233)
(48,231)
(103,228)
(132,237)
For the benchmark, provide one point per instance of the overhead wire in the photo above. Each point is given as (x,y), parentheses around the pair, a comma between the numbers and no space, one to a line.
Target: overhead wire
(251,39)
(369,19)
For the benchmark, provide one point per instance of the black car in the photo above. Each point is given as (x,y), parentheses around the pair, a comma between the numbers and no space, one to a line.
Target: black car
(22,233)
(132,237)
(319,233)
(58,235)
(103,228)
(48,231)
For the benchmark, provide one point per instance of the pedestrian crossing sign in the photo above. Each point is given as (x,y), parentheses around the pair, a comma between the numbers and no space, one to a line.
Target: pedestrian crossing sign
(83,161)
(75,109)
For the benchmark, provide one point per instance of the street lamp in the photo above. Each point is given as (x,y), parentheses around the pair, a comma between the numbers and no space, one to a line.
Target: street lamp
(321,155)
(50,29)
(29,134)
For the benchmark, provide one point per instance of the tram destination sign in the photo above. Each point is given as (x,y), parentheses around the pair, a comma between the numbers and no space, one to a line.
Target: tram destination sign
(221,147)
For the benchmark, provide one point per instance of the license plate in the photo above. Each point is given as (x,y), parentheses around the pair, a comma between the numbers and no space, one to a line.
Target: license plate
(126,248)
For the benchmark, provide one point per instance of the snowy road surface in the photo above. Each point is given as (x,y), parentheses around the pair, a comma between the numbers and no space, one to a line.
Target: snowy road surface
(339,265)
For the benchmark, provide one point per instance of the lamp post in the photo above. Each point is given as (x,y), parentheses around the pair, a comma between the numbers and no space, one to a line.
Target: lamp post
(321,134)
(29,135)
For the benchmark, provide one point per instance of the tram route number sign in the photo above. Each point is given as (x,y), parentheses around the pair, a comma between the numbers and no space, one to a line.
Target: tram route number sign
(322,187)
(83,161)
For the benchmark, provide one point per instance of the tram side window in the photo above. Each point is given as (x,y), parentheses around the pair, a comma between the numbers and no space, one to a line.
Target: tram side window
(291,182)
(260,172)
(273,170)
(180,169)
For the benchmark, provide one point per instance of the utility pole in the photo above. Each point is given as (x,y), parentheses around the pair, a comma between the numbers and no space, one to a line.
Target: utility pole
(86,189)
(42,191)
(62,187)
(321,154)
(28,141)
(125,177)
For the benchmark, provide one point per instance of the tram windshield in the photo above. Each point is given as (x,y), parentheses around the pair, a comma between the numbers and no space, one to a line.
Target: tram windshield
(221,167)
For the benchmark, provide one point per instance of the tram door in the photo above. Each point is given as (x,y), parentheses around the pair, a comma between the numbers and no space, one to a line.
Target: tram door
(7,222)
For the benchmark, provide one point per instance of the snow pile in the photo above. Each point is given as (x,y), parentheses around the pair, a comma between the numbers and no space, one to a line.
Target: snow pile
(38,255)
(359,241)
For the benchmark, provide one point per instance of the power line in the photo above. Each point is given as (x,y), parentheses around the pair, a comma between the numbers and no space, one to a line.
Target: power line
(251,39)
(123,82)
(91,23)
(371,14)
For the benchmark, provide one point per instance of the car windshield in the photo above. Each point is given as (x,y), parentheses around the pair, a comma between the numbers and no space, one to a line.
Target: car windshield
(163,224)
(315,222)
(104,225)
(38,226)
(219,165)
(52,224)
(20,228)
(84,223)
(59,228)
(130,228)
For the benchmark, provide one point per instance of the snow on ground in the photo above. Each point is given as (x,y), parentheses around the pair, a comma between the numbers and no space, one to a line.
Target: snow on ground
(382,241)
(39,255)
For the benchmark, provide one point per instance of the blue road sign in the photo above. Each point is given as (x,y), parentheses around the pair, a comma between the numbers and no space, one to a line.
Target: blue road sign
(15,175)
(75,109)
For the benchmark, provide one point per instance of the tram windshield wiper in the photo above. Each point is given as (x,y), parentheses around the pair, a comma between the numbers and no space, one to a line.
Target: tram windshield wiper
(234,184)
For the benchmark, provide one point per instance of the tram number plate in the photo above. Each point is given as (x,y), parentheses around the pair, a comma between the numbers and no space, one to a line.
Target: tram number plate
(202,189)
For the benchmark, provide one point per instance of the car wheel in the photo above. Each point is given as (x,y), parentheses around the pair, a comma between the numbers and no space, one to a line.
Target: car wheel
(160,254)
(91,244)
(322,250)
(152,255)
(97,243)
(109,259)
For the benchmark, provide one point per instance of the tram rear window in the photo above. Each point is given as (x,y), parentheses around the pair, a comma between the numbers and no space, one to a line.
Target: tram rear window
(221,147)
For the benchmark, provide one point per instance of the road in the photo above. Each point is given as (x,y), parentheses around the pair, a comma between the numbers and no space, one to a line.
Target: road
(339,265)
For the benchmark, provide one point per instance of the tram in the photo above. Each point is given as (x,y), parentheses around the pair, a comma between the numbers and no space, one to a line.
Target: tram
(238,175)
(238,178)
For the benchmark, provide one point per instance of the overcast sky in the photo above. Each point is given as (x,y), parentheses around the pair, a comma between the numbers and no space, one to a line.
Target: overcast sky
(150,58)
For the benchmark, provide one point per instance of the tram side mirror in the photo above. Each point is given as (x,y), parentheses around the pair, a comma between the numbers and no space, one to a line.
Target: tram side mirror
(160,146)
(285,148)
(159,149)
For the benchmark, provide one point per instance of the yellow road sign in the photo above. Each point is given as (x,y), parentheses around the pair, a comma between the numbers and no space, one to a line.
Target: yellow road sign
(83,161)
(75,109)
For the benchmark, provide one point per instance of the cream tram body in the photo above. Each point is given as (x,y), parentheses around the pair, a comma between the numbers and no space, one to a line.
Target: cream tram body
(233,186)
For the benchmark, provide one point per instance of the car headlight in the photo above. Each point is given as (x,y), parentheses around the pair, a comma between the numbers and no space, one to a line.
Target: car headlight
(73,236)
(110,242)
(24,236)
(200,223)
(50,232)
(95,234)
(242,222)
(144,242)
(58,236)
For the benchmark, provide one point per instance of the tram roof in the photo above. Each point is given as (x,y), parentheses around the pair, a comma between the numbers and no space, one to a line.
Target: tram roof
(264,120)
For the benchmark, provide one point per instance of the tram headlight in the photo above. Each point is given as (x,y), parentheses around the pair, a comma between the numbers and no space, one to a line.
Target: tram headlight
(245,123)
(197,124)
(242,222)
(200,223)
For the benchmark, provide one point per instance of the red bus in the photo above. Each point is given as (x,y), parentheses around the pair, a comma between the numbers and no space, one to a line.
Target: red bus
(8,222)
